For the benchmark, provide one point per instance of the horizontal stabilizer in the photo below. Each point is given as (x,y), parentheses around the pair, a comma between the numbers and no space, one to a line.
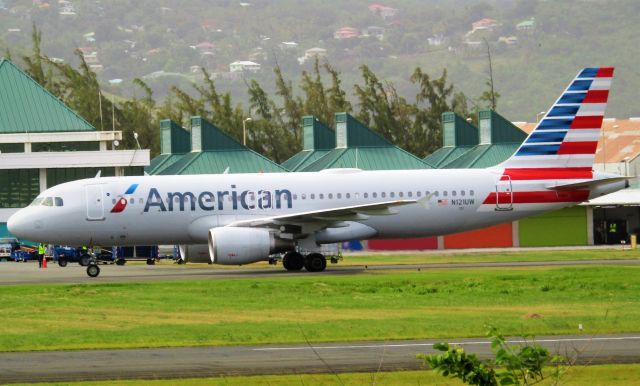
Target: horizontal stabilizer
(590,184)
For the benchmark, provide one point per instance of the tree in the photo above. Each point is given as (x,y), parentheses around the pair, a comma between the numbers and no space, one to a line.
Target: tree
(520,365)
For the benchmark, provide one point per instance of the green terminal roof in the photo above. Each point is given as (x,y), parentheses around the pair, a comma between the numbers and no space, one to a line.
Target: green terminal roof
(483,156)
(499,139)
(27,107)
(213,152)
(318,140)
(358,146)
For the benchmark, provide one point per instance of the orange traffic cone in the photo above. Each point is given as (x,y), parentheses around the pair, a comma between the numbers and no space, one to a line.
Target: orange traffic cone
(44,262)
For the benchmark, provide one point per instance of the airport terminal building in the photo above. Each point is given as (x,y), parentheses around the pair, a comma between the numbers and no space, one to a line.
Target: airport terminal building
(44,143)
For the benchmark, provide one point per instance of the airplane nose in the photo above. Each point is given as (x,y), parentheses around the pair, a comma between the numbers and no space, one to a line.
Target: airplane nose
(16,225)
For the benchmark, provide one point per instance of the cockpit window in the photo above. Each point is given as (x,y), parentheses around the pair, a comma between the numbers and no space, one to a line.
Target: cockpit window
(48,201)
(37,201)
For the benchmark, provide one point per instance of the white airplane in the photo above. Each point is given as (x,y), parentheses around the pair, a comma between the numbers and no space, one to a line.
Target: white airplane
(236,219)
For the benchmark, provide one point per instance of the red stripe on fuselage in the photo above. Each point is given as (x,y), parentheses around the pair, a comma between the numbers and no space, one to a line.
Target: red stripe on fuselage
(578,147)
(542,197)
(587,122)
(596,96)
(547,174)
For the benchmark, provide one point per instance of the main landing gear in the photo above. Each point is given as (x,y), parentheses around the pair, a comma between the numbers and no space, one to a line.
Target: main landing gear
(313,262)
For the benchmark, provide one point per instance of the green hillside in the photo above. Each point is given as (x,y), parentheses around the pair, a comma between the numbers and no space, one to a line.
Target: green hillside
(164,41)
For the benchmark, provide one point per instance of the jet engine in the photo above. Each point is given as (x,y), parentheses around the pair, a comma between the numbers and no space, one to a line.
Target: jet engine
(238,246)
(195,253)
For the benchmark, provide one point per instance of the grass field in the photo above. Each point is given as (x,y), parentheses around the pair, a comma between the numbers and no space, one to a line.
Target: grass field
(475,257)
(617,375)
(375,306)
(428,257)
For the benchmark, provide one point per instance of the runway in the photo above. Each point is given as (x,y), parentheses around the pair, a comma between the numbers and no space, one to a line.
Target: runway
(283,359)
(28,273)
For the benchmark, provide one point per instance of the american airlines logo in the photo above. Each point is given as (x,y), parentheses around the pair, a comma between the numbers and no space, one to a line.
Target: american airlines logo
(218,200)
(121,204)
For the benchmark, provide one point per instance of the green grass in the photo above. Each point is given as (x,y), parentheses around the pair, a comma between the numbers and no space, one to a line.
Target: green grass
(380,306)
(462,257)
(623,375)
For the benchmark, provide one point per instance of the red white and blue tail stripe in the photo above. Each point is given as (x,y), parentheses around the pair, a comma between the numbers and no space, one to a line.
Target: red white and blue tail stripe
(559,152)
(567,136)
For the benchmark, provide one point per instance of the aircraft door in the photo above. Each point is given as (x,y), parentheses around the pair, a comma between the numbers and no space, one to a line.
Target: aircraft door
(95,205)
(504,193)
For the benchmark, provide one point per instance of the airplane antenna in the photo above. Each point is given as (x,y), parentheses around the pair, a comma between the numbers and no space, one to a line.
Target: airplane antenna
(98,174)
(226,171)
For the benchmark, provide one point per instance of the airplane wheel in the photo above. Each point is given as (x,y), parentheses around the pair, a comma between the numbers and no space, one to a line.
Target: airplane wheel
(293,261)
(151,262)
(93,270)
(62,262)
(121,261)
(315,262)
(85,260)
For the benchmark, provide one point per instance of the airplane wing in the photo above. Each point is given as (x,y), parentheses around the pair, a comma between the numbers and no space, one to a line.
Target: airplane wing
(327,216)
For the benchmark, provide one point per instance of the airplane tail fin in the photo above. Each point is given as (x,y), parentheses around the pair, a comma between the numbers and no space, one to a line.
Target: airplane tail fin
(565,140)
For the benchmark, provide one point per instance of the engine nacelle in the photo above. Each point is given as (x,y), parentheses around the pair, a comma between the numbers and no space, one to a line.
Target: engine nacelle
(237,246)
(195,253)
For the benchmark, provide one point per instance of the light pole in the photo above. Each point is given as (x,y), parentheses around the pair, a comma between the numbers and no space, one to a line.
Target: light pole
(114,83)
(244,130)
(538,115)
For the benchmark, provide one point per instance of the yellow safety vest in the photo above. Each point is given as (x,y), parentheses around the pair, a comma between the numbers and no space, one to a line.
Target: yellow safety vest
(42,249)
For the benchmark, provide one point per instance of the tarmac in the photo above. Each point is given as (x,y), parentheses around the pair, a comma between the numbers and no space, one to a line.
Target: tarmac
(12,273)
(183,362)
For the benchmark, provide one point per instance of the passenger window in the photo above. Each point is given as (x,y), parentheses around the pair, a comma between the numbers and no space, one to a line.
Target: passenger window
(436,193)
(392,194)
(366,195)
(409,194)
(304,196)
(445,193)
(295,196)
(453,193)
(330,196)
(462,193)
(132,200)
(418,193)
(113,201)
(321,196)
(400,194)
(58,201)
(349,195)
(339,195)
(383,194)
(374,194)
(313,196)
(140,201)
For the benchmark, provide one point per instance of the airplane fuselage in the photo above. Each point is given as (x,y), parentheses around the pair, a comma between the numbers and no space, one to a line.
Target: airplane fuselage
(181,209)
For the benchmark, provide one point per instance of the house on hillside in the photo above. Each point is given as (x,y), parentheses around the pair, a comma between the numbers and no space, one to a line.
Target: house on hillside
(383,11)
(436,40)
(374,31)
(484,24)
(244,66)
(312,53)
(346,33)
(204,46)
(528,25)
(288,45)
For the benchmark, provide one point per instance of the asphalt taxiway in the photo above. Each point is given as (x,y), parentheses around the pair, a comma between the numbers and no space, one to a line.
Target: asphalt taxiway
(184,362)
(12,273)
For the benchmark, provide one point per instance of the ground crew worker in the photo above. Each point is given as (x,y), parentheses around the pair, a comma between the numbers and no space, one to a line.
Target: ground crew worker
(42,250)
